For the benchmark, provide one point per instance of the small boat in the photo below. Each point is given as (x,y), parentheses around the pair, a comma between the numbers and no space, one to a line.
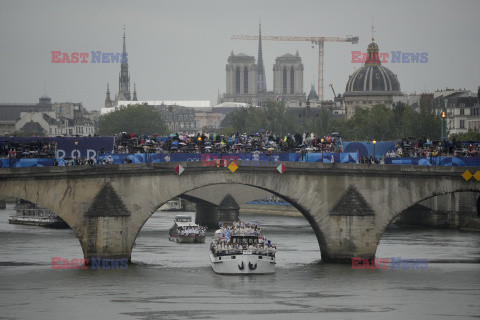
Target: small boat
(173,205)
(184,230)
(241,249)
(30,214)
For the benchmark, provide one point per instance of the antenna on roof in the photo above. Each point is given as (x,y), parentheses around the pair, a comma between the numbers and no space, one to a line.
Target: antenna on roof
(372,31)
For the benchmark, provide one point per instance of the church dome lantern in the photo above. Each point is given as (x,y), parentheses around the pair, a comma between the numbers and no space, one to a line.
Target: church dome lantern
(373,78)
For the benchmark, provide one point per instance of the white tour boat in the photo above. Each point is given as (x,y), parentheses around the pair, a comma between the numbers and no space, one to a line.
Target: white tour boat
(241,249)
(184,230)
(30,214)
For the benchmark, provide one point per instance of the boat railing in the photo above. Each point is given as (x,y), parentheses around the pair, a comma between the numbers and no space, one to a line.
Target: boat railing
(246,234)
(243,252)
(34,219)
(35,212)
(183,234)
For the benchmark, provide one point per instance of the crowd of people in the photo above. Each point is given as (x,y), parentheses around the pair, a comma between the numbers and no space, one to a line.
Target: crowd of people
(27,149)
(240,237)
(261,142)
(205,143)
(15,150)
(69,161)
(425,148)
(191,230)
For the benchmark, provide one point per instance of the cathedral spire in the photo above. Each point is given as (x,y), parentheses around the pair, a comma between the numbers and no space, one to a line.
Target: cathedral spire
(261,83)
(134,92)
(108,100)
(124,78)
(124,44)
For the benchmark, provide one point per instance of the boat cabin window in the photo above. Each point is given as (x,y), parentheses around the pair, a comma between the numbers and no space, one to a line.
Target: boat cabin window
(183,219)
(245,240)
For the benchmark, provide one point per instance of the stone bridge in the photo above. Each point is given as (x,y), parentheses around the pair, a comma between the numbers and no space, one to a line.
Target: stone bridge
(347,205)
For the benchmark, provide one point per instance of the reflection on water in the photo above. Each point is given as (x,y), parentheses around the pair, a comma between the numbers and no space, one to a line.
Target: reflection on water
(175,281)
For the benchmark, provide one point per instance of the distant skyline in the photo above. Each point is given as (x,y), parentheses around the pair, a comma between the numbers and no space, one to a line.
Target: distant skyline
(178,50)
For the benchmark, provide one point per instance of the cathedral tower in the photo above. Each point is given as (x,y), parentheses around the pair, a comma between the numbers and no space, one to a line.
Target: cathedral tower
(124,77)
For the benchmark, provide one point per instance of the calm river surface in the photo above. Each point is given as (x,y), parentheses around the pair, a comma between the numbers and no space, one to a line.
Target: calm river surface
(175,281)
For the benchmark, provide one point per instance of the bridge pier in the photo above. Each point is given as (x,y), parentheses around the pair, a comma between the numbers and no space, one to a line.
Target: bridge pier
(109,230)
(349,229)
(107,238)
(209,215)
(228,209)
(345,237)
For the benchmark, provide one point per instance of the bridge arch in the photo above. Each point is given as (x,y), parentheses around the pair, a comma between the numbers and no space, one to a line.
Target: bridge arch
(42,202)
(304,211)
(31,200)
(395,213)
(39,202)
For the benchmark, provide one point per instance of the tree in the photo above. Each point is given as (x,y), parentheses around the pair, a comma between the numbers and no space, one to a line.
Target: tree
(322,124)
(428,121)
(241,120)
(369,124)
(274,117)
(470,135)
(383,123)
(277,118)
(236,119)
(132,118)
(403,121)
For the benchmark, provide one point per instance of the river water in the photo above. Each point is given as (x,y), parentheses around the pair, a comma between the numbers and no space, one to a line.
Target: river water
(175,281)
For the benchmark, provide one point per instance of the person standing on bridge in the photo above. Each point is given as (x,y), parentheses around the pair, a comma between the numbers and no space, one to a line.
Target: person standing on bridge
(12,156)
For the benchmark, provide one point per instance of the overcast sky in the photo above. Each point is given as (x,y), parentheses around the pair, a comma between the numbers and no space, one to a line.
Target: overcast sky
(178,49)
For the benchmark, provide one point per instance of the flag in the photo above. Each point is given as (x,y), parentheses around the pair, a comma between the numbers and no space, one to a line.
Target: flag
(227,235)
(179,169)
(281,168)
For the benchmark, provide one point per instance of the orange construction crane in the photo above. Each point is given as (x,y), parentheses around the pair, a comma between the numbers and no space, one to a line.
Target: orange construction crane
(331,86)
(315,40)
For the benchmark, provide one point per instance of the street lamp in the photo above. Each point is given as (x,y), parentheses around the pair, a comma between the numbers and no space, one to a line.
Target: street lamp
(374,143)
(443,124)
(322,148)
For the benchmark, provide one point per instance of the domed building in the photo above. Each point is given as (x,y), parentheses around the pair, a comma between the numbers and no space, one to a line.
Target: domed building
(371,84)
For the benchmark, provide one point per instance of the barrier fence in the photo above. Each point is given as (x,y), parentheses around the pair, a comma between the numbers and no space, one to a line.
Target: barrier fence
(241,159)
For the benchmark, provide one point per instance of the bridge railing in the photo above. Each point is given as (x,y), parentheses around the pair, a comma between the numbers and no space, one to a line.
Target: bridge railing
(241,159)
